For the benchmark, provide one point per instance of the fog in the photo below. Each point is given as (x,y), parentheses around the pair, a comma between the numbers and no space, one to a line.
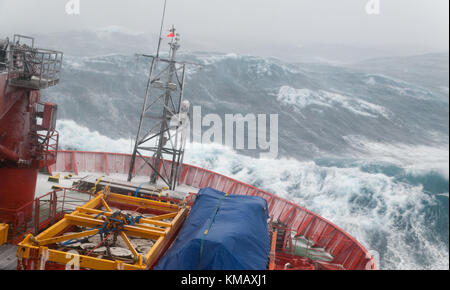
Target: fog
(403,26)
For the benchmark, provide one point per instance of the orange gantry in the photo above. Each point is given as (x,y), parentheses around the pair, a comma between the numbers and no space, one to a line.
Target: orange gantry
(143,228)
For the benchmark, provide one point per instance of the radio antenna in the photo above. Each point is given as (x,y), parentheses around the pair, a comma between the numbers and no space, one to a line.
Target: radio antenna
(161,29)
(161,133)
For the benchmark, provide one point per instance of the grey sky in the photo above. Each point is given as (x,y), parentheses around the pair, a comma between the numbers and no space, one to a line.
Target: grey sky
(421,25)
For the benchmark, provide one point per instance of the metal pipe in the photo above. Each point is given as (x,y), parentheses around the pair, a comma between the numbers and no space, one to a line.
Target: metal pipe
(8,154)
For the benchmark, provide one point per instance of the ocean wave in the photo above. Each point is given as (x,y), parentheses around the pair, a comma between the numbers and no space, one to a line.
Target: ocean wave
(266,66)
(75,137)
(415,159)
(302,98)
(316,104)
(400,87)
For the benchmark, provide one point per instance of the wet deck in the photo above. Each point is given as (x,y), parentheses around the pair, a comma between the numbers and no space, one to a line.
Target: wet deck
(8,257)
(44,186)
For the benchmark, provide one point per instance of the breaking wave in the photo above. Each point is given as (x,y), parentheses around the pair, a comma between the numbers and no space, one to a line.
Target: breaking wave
(302,98)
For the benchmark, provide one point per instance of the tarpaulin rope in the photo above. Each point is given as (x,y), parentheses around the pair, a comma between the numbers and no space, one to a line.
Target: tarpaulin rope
(213,216)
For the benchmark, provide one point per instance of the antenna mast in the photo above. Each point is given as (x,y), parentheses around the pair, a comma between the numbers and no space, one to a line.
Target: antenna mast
(162,135)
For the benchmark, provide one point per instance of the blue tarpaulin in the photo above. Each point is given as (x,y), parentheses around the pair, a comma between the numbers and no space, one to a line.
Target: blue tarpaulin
(222,232)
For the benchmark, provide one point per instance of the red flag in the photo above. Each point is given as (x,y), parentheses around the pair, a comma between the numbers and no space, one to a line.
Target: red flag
(171,34)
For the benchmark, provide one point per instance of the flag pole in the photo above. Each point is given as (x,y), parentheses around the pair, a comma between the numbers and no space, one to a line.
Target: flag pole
(161,29)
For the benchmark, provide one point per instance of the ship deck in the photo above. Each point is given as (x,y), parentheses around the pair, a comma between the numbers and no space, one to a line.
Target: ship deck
(304,233)
(43,185)
(8,257)
(302,225)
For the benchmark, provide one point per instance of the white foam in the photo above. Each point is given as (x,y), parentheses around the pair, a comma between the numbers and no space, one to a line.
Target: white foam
(212,58)
(416,159)
(302,98)
(81,138)
(400,87)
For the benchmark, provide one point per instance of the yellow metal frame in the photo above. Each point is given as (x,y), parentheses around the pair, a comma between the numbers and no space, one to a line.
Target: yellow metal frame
(89,216)
(3,233)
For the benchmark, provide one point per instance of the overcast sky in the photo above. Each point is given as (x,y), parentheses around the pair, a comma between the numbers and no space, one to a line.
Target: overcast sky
(404,24)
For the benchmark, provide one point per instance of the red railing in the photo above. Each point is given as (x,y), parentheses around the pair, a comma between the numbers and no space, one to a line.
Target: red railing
(48,144)
(43,212)
(345,249)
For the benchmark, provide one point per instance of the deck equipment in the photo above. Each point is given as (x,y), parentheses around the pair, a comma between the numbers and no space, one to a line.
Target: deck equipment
(144,226)
(222,232)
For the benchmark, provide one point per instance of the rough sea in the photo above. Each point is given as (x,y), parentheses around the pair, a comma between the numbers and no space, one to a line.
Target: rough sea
(365,145)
